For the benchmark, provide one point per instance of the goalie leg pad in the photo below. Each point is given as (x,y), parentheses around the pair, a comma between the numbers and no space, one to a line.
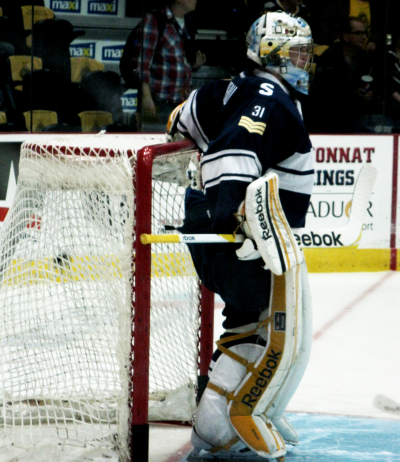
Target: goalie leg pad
(212,422)
(269,227)
(246,378)
(214,432)
(258,390)
(286,430)
(276,410)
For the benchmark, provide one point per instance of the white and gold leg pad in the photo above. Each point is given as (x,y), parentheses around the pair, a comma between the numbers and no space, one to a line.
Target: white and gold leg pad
(246,378)
(277,408)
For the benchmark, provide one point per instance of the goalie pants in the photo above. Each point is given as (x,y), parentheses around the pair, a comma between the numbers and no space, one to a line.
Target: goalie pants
(244,286)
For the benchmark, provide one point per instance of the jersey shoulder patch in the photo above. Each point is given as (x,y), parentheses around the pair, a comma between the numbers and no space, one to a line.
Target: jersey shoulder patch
(252,126)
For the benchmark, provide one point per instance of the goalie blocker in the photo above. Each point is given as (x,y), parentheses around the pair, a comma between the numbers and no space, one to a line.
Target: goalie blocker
(264,221)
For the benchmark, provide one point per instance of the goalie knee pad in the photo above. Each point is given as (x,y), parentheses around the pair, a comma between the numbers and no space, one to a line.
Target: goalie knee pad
(234,411)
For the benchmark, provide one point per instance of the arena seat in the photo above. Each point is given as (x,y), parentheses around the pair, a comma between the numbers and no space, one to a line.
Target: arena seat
(94,121)
(21,65)
(80,66)
(32,14)
(37,119)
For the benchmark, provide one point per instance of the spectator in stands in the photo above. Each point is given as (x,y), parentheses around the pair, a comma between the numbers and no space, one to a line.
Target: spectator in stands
(15,120)
(393,81)
(329,15)
(168,62)
(12,26)
(340,102)
(6,50)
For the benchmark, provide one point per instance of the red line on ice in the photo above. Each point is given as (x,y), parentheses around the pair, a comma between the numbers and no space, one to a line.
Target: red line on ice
(352,305)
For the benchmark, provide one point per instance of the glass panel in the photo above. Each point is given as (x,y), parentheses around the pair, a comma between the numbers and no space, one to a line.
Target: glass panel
(60,59)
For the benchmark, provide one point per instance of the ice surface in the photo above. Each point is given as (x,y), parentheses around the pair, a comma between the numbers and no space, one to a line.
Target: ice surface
(355,356)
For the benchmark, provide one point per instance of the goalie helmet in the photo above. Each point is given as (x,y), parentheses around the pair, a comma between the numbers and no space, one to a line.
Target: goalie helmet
(282,43)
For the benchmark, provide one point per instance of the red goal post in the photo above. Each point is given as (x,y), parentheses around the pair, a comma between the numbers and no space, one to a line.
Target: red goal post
(145,159)
(94,324)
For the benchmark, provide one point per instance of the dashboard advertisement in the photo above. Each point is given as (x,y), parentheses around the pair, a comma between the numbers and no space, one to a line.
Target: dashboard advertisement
(338,161)
(107,8)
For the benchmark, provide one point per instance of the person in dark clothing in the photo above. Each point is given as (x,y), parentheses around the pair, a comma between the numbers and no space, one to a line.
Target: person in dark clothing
(329,15)
(342,96)
(250,129)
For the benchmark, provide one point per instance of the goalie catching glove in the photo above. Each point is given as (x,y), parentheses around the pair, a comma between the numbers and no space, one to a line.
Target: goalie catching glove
(171,130)
(264,222)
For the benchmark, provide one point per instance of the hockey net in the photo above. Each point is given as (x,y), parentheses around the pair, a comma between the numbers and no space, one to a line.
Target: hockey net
(79,293)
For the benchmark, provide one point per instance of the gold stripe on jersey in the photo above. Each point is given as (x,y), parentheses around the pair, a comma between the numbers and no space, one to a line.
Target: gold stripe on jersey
(252,126)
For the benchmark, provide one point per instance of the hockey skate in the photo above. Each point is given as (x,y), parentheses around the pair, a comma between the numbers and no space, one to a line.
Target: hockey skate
(216,444)
(202,451)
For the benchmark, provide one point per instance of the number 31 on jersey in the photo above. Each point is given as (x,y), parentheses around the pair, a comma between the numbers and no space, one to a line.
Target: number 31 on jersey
(258,111)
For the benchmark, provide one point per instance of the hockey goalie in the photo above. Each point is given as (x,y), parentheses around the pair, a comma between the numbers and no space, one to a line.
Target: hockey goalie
(257,176)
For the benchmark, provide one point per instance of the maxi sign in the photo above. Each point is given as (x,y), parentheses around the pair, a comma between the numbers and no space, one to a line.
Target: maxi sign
(104,7)
(111,8)
(65,6)
(86,49)
(112,53)
(104,51)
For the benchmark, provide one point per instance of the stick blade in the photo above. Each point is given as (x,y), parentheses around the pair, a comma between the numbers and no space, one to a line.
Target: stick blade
(386,404)
(362,193)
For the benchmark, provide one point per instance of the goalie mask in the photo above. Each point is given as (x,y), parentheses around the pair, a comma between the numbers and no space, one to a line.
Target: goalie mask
(282,43)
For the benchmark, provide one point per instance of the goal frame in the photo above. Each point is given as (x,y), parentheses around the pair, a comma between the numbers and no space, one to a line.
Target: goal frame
(140,306)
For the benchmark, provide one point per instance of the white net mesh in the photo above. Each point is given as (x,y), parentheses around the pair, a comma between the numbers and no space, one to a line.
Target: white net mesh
(65,293)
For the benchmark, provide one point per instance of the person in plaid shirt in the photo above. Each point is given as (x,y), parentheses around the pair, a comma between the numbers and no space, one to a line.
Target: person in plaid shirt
(167,63)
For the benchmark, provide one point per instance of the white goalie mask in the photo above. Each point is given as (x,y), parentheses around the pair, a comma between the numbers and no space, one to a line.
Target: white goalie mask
(283,43)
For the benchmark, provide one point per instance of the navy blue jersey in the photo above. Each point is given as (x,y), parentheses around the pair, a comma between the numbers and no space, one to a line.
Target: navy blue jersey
(246,127)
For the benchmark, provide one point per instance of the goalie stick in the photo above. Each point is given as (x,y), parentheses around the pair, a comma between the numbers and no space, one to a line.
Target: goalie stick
(386,404)
(345,236)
